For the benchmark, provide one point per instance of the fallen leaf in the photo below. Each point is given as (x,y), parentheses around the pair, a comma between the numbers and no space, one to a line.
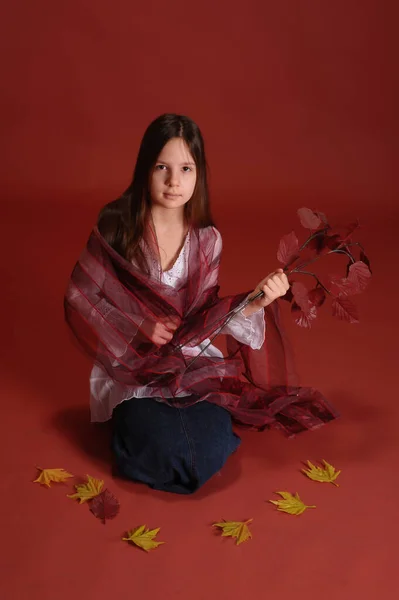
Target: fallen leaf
(48,476)
(327,475)
(308,218)
(235,529)
(105,506)
(143,538)
(290,504)
(288,249)
(87,491)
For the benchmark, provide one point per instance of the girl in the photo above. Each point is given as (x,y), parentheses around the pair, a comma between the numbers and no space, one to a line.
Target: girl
(143,301)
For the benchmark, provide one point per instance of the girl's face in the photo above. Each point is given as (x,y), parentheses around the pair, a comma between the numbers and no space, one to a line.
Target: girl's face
(174,175)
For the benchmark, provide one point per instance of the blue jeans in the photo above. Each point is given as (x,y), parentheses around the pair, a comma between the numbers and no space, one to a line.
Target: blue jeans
(171,449)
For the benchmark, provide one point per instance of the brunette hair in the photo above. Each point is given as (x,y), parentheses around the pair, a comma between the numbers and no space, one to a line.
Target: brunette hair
(122,222)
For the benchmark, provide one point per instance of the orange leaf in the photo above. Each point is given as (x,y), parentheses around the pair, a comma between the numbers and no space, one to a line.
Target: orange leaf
(48,476)
(235,529)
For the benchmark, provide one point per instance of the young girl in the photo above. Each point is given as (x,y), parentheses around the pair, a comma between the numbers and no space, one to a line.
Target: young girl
(143,301)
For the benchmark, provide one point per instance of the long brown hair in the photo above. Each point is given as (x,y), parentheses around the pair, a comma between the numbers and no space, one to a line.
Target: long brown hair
(122,222)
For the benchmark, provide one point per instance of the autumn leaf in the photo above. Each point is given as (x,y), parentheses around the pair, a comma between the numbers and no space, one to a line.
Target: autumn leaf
(304,318)
(317,296)
(341,286)
(48,476)
(308,218)
(321,216)
(301,295)
(288,249)
(87,491)
(143,538)
(105,506)
(235,529)
(359,275)
(364,259)
(345,310)
(290,504)
(328,474)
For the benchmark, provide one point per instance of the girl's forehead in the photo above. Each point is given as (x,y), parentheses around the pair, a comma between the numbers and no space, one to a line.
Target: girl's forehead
(176,150)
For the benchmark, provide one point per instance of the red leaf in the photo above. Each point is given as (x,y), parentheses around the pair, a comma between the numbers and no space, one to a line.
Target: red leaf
(288,249)
(288,296)
(104,506)
(344,234)
(308,218)
(304,319)
(322,217)
(301,295)
(317,296)
(341,286)
(345,310)
(333,241)
(318,243)
(359,275)
(364,259)
(349,229)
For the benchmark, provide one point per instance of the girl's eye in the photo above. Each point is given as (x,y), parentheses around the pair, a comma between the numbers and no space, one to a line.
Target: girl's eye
(161,167)
(188,169)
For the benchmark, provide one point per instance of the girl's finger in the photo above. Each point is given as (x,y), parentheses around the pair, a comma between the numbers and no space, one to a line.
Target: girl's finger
(272,285)
(169,324)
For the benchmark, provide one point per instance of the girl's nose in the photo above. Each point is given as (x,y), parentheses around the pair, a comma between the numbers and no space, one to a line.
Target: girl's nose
(173,179)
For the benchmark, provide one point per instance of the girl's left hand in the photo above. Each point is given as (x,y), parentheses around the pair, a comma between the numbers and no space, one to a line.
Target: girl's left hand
(273,286)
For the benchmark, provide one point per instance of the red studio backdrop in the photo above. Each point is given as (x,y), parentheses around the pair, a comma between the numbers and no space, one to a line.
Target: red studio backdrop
(297,102)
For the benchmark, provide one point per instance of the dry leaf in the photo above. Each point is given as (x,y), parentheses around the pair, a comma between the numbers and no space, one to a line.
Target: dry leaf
(87,491)
(48,476)
(143,538)
(235,529)
(290,504)
(104,506)
(327,475)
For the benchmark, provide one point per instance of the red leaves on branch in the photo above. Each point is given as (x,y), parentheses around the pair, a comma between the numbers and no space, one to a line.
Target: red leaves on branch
(344,309)
(309,219)
(303,310)
(317,296)
(288,249)
(359,276)
(323,240)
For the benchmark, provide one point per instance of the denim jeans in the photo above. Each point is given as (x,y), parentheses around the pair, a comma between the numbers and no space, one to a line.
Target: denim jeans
(171,449)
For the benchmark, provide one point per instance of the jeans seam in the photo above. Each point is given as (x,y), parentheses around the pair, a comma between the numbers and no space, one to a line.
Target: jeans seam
(192,454)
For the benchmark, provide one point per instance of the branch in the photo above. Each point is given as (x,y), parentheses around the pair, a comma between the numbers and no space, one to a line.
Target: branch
(318,281)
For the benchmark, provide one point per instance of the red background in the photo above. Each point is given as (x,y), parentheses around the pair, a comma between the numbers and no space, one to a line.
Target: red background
(298,105)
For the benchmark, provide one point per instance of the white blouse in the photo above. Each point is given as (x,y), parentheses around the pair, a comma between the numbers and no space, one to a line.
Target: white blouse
(106,394)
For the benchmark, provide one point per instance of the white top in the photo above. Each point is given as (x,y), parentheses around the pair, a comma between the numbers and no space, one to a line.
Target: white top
(105,393)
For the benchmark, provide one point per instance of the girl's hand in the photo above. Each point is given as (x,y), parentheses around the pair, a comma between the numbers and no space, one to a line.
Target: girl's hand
(273,286)
(160,332)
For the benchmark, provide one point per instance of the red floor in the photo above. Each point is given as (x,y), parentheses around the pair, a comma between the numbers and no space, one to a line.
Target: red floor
(298,107)
(54,548)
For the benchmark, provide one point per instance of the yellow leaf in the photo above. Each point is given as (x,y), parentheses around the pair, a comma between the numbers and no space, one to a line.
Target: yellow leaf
(327,475)
(48,476)
(235,529)
(290,504)
(143,538)
(87,491)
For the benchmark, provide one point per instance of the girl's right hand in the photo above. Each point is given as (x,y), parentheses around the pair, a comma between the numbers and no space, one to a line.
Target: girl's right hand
(160,332)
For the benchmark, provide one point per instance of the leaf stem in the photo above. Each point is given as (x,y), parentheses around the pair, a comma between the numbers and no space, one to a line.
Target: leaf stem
(317,279)
(312,237)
